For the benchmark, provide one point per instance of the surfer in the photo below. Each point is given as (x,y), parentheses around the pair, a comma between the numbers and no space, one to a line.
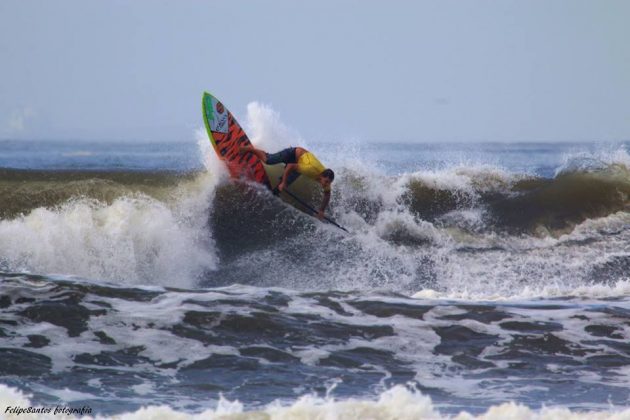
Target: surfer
(298,161)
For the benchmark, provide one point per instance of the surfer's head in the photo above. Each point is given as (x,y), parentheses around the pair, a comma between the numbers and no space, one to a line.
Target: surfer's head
(326,177)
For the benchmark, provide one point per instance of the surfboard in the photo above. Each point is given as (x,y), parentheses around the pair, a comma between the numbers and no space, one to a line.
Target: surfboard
(227,136)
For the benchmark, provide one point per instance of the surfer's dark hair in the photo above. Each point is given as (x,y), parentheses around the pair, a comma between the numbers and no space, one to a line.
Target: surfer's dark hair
(328,173)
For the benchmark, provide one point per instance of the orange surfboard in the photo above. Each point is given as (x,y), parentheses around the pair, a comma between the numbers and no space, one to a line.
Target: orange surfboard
(226,135)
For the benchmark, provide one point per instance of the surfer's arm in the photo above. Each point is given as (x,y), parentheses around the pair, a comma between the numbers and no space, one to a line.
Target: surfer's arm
(325,202)
(289,168)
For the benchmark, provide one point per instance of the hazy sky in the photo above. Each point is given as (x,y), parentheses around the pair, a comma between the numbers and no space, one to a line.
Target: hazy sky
(461,70)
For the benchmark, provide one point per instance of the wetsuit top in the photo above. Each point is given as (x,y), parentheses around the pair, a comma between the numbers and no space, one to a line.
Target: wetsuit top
(309,166)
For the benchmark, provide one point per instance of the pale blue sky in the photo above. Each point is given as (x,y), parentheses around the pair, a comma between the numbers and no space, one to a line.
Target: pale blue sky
(500,70)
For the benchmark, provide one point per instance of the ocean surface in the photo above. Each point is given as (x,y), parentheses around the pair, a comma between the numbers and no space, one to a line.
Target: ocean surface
(483,278)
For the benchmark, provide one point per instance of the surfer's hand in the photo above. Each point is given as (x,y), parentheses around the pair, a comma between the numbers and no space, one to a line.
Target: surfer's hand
(321,215)
(281,186)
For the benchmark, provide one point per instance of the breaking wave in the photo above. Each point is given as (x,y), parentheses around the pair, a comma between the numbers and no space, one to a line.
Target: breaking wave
(449,230)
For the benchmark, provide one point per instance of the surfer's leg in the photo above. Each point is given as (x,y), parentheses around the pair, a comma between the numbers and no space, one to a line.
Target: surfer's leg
(260,154)
(283,156)
(290,180)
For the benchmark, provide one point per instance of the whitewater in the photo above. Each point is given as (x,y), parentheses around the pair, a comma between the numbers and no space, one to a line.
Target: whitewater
(482,279)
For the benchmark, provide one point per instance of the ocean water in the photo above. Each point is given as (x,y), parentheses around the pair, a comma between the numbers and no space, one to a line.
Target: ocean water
(477,279)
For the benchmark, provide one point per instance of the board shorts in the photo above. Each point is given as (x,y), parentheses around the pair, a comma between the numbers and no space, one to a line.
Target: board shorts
(285,156)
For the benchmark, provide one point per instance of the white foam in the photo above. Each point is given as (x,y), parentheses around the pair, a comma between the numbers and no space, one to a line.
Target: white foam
(605,157)
(389,223)
(209,157)
(467,260)
(136,239)
(68,395)
(144,388)
(530,267)
(468,179)
(266,130)
(132,240)
(398,403)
